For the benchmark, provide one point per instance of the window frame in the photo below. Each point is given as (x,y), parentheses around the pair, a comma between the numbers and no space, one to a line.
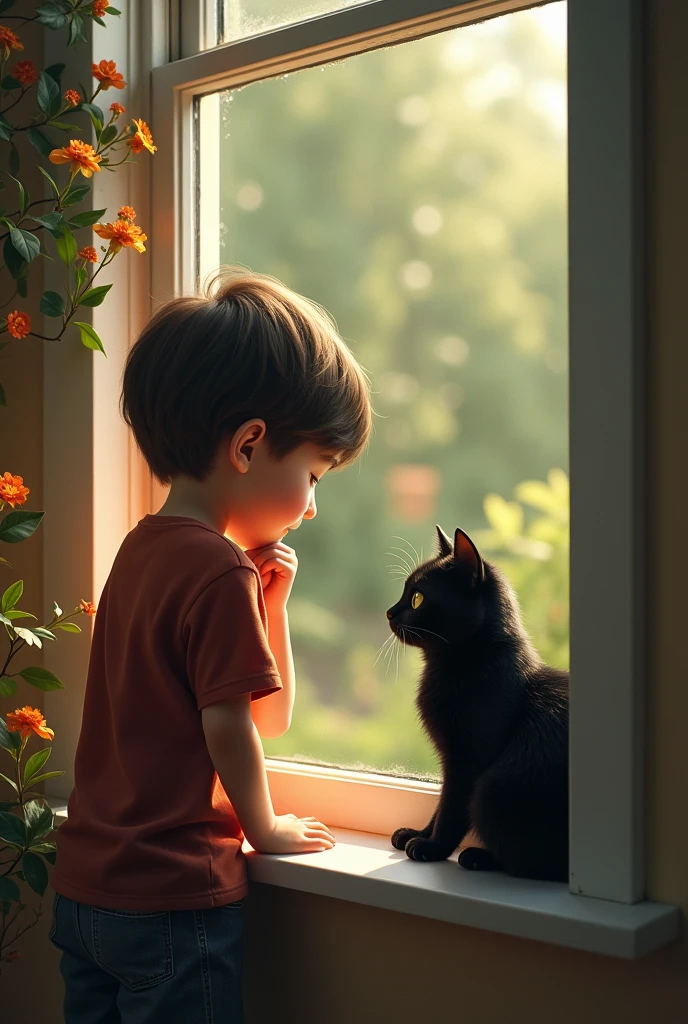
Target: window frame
(606,412)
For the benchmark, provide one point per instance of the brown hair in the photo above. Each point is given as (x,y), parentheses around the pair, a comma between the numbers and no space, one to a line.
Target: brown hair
(249,347)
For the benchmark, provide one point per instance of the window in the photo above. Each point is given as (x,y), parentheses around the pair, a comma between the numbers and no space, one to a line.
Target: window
(605,371)
(419,193)
(250,17)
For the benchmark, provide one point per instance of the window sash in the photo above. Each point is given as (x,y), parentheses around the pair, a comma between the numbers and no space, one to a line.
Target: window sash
(606,399)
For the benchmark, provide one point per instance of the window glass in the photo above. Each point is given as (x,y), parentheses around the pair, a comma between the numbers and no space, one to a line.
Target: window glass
(419,194)
(237,19)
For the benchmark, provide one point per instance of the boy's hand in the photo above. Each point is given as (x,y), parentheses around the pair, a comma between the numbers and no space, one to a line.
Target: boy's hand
(277,565)
(296,835)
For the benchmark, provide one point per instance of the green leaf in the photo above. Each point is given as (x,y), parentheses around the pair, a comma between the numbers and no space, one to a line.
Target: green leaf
(66,246)
(35,763)
(41,678)
(95,110)
(8,687)
(50,16)
(14,613)
(94,296)
(10,83)
(40,141)
(9,782)
(55,71)
(5,133)
(76,30)
(38,818)
(12,595)
(24,197)
(89,337)
(26,244)
(68,627)
(112,10)
(50,179)
(81,276)
(48,95)
(14,159)
(9,741)
(86,218)
(28,636)
(44,848)
(9,890)
(63,126)
(35,872)
(48,775)
(52,221)
(43,633)
(12,829)
(75,195)
(52,304)
(18,526)
(109,135)
(13,261)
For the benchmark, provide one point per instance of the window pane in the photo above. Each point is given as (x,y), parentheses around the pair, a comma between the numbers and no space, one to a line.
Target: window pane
(240,18)
(419,194)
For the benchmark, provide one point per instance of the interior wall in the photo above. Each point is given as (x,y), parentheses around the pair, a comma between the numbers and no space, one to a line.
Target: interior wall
(309,957)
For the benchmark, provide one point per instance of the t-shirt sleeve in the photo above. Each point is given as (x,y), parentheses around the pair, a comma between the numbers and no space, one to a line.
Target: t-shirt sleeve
(227,650)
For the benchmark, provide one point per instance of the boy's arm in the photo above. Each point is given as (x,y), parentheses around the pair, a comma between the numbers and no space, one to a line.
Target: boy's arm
(237,755)
(272,714)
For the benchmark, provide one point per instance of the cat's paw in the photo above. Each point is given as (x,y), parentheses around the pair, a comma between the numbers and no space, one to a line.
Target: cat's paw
(473,858)
(425,849)
(401,837)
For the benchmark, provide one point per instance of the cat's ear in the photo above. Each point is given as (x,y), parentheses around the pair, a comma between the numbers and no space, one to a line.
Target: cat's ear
(446,546)
(466,554)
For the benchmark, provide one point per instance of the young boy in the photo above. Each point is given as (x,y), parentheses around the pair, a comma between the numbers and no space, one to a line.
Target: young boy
(242,400)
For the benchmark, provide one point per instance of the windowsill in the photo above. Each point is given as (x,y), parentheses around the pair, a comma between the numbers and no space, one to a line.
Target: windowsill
(363,868)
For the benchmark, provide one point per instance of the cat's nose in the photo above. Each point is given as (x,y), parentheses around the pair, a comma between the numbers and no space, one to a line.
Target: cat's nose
(389,613)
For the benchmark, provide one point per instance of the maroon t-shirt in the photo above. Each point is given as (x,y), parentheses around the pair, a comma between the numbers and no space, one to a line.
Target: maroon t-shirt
(180,625)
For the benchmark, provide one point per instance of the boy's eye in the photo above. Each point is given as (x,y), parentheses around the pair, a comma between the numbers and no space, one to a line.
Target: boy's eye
(416,599)
(314,480)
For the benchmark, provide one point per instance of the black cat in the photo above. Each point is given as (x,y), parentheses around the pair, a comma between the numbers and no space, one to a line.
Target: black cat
(496,713)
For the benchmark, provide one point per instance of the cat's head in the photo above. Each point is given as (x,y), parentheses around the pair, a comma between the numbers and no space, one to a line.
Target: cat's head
(447,599)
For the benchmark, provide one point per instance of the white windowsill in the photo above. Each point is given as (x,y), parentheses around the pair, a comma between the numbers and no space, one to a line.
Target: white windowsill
(363,868)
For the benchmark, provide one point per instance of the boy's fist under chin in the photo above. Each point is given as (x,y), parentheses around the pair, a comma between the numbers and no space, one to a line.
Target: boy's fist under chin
(277,564)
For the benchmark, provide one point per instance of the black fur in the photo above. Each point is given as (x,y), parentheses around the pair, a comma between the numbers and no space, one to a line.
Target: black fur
(497,715)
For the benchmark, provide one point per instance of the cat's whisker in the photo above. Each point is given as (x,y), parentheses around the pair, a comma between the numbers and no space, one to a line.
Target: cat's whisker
(421,629)
(419,558)
(404,565)
(405,558)
(390,639)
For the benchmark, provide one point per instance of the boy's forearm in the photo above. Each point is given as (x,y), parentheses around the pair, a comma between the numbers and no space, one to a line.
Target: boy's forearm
(240,764)
(272,714)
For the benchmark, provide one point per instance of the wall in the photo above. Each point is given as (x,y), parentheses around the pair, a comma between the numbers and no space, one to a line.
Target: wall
(312,957)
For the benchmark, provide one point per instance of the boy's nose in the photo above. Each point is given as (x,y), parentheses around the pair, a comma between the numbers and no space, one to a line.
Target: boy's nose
(312,511)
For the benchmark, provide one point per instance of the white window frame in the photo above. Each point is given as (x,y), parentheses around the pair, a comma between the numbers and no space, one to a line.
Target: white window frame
(606,391)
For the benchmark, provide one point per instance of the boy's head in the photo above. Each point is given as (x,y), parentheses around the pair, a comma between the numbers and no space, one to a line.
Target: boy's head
(241,391)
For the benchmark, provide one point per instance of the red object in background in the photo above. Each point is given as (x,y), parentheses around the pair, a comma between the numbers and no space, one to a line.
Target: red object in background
(412,491)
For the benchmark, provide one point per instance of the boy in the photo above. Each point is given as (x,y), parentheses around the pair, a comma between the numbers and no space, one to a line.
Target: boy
(242,400)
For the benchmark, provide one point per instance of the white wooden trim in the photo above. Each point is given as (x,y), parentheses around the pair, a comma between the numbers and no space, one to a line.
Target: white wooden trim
(606,449)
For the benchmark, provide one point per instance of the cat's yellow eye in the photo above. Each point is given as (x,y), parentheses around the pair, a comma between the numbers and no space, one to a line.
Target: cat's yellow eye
(416,599)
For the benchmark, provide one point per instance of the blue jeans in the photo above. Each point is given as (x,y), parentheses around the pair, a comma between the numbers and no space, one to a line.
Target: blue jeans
(147,967)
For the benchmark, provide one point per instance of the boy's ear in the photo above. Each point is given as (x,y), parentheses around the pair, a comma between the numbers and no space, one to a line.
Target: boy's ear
(244,440)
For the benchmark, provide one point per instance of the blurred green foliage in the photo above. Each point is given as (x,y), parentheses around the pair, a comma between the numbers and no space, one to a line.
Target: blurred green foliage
(419,194)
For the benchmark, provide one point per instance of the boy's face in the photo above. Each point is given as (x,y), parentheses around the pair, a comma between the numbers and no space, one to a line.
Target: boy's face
(276,494)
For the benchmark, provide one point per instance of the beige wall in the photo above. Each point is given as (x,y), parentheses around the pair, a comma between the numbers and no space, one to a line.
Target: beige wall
(310,957)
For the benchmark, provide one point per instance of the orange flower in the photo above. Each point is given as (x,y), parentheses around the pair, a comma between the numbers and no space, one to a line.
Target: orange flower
(27,720)
(80,155)
(88,607)
(88,253)
(18,324)
(107,74)
(122,233)
(99,7)
(9,40)
(12,489)
(142,138)
(116,109)
(72,97)
(127,213)
(25,72)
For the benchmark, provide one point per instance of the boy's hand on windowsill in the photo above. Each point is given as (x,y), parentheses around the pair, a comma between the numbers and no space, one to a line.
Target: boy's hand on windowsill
(277,564)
